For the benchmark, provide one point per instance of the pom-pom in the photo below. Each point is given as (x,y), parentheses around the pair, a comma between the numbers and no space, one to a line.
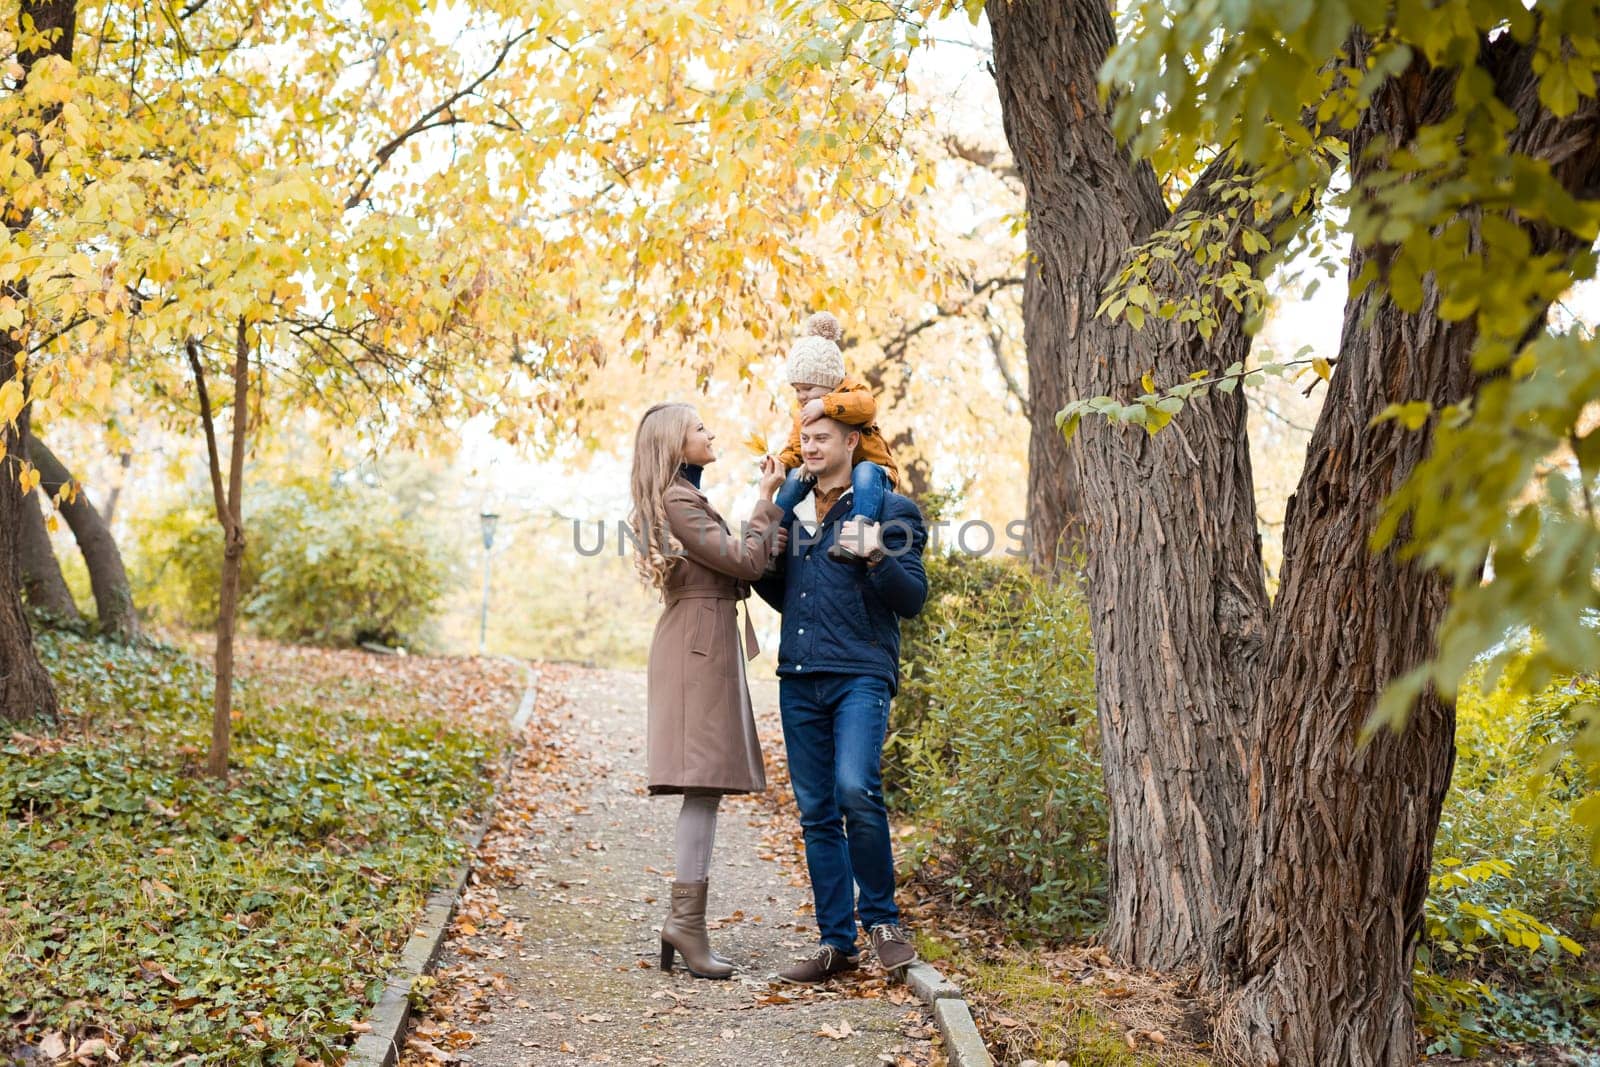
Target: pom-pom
(823,324)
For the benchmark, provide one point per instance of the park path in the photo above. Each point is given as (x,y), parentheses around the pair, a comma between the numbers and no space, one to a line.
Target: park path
(552,957)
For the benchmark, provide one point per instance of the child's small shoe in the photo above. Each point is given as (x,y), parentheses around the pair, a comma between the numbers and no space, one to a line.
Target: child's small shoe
(840,554)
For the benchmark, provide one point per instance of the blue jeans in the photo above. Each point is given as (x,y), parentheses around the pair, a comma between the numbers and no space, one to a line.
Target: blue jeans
(833,729)
(794,489)
(868,483)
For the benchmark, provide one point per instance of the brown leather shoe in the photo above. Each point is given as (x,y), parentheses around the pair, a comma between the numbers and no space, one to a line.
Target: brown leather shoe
(820,966)
(685,932)
(893,947)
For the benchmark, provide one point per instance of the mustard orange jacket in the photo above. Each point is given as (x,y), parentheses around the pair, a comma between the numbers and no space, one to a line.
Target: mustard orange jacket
(852,403)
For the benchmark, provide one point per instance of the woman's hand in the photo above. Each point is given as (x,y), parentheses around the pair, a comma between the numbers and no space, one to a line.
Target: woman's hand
(772,476)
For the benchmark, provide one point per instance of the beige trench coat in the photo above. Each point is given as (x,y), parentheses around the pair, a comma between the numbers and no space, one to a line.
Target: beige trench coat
(701,732)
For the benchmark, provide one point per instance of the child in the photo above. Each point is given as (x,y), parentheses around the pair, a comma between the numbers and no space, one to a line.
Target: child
(816,371)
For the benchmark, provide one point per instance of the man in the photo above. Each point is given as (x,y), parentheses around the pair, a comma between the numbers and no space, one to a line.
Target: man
(839,665)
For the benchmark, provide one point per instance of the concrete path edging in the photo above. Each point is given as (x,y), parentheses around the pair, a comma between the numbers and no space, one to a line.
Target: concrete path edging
(380,1045)
(963,1044)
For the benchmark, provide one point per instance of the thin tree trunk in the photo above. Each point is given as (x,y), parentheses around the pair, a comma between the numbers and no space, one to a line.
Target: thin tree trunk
(25,688)
(113,597)
(124,460)
(230,517)
(1177,597)
(46,590)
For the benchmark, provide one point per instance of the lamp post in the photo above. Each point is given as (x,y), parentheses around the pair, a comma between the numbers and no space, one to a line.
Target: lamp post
(488,519)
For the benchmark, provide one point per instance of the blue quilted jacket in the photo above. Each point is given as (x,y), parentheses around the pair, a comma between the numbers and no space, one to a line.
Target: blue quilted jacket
(844,618)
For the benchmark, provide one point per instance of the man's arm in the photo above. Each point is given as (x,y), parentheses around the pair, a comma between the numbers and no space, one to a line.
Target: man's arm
(899,578)
(770,585)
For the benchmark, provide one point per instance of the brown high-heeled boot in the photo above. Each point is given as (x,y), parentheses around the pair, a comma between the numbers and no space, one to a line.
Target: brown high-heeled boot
(685,932)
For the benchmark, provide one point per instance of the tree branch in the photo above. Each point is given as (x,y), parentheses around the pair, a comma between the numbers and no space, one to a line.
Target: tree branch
(996,162)
(432,119)
(895,347)
(997,345)
(207,420)
(241,430)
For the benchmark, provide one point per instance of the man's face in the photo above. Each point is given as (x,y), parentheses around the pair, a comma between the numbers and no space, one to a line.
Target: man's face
(826,447)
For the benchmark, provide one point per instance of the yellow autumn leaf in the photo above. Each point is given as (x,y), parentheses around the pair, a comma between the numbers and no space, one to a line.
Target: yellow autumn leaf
(52,523)
(29,478)
(1148,381)
(10,401)
(1320,365)
(757,443)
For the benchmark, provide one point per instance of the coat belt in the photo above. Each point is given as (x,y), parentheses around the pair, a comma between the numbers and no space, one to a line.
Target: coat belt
(752,648)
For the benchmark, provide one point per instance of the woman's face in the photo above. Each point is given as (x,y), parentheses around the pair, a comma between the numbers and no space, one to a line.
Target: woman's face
(697,446)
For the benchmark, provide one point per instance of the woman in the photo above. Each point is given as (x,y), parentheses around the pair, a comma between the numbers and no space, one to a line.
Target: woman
(702,736)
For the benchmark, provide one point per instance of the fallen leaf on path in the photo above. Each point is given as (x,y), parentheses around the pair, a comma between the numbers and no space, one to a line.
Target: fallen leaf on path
(428,1048)
(838,1033)
(53,1046)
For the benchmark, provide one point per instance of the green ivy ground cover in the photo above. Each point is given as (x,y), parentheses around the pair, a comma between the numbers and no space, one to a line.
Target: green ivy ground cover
(178,920)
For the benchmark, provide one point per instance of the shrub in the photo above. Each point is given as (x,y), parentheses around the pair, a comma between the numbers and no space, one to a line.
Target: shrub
(1512,878)
(176,564)
(324,564)
(994,745)
(190,922)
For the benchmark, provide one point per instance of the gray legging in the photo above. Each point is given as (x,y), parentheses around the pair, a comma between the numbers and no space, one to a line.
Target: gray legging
(697,829)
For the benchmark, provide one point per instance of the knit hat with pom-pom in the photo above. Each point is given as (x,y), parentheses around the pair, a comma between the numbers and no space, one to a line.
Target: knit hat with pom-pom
(815,358)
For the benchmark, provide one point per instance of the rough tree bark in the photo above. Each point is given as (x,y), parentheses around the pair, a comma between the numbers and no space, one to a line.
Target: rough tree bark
(1249,836)
(113,597)
(231,518)
(1318,958)
(25,688)
(26,692)
(1176,592)
(46,590)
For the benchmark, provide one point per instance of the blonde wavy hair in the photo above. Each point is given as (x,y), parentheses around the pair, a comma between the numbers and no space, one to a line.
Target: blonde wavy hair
(657,455)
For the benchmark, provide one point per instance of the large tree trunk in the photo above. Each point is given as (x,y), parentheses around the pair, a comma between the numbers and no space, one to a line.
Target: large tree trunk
(42,583)
(26,692)
(1175,584)
(1341,845)
(1318,958)
(25,689)
(108,578)
(1248,833)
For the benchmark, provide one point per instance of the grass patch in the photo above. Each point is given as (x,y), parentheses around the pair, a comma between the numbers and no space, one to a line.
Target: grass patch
(1057,1008)
(181,920)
